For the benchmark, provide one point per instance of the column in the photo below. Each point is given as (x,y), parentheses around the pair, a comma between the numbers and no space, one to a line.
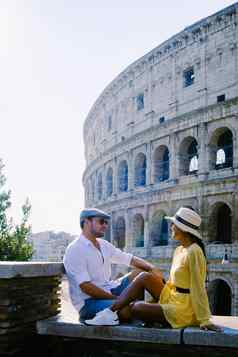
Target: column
(173,157)
(147,245)
(234,229)
(130,163)
(114,183)
(129,229)
(104,183)
(204,213)
(149,163)
(235,150)
(203,152)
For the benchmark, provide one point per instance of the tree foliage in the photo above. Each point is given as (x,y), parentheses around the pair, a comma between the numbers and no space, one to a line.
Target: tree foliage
(14,245)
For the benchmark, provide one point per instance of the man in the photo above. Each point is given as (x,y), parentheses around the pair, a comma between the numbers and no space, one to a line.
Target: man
(88,262)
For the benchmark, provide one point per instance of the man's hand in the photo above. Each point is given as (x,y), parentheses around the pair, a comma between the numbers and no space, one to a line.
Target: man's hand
(142,264)
(95,292)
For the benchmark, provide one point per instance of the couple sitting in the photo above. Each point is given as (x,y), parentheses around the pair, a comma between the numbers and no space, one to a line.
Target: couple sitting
(181,301)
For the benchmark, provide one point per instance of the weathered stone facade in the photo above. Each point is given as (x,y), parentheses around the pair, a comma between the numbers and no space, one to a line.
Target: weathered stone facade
(164,134)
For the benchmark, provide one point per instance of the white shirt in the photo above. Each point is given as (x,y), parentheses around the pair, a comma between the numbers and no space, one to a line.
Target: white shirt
(83,262)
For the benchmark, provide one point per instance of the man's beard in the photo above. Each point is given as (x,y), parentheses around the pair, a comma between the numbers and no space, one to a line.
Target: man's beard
(97,234)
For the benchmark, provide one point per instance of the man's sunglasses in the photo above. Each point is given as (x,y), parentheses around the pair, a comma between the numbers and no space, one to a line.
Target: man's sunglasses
(101,221)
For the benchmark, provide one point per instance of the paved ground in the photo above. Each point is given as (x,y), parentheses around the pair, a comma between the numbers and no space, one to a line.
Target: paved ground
(66,306)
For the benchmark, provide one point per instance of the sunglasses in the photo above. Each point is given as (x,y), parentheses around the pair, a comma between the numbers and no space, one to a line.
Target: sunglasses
(102,221)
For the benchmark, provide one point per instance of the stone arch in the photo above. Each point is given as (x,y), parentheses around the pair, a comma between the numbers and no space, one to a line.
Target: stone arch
(161,164)
(87,192)
(140,170)
(107,234)
(93,188)
(220,297)
(138,230)
(119,233)
(123,176)
(109,182)
(220,224)
(99,186)
(158,229)
(221,149)
(188,156)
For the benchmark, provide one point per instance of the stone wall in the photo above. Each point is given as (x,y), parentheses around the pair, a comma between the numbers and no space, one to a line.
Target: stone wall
(28,292)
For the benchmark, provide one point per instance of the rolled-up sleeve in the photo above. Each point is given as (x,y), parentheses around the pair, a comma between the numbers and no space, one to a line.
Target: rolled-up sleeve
(118,256)
(76,267)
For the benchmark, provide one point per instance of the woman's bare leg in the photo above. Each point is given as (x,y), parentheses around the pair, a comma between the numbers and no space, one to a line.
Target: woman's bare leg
(133,274)
(148,312)
(151,282)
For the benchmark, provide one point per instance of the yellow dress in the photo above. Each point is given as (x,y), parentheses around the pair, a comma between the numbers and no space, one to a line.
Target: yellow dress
(188,271)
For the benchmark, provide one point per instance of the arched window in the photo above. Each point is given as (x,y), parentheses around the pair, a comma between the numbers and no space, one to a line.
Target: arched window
(140,170)
(224,154)
(109,181)
(159,230)
(138,230)
(87,193)
(123,176)
(119,234)
(220,224)
(99,186)
(161,164)
(93,189)
(220,297)
(188,156)
(221,157)
(193,166)
(107,234)
(221,149)
(193,157)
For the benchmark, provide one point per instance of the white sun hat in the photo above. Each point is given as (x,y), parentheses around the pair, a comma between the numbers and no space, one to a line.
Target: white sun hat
(187,220)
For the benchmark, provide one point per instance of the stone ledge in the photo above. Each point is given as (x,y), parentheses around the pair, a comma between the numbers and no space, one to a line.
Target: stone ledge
(58,326)
(228,338)
(69,327)
(10,270)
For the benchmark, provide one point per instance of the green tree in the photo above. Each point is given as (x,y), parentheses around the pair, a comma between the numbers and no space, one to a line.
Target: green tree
(13,238)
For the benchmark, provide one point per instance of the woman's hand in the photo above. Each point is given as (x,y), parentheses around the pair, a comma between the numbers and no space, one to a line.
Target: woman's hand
(211,327)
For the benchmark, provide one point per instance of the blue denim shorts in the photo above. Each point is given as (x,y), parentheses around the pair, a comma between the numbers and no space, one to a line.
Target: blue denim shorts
(92,306)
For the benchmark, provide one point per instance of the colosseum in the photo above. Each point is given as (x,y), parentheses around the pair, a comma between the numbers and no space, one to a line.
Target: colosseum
(164,133)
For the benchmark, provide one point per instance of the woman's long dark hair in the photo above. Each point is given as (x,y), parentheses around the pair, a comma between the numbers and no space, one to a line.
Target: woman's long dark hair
(195,239)
(199,242)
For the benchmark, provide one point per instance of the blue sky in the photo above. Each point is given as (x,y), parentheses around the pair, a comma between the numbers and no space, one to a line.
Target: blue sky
(56,58)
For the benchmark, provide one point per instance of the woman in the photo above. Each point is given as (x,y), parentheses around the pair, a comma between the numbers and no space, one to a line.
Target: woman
(180,302)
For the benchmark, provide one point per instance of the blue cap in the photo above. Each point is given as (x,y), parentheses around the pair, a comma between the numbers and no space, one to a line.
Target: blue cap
(93,212)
